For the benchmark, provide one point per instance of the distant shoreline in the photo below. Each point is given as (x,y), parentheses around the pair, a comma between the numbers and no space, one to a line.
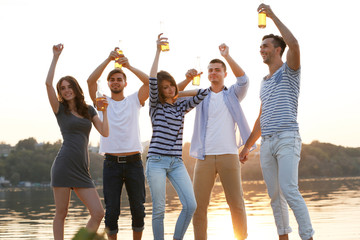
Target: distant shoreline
(245,182)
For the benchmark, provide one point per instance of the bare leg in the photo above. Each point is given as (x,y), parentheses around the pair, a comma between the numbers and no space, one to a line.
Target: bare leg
(137,235)
(91,200)
(112,237)
(284,237)
(62,198)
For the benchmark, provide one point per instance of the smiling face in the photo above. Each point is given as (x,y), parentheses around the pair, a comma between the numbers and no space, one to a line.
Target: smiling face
(70,93)
(267,50)
(272,49)
(117,83)
(216,73)
(66,91)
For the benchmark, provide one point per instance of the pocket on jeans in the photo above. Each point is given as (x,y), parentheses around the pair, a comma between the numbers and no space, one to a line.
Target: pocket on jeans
(298,145)
(109,164)
(154,158)
(287,134)
(137,164)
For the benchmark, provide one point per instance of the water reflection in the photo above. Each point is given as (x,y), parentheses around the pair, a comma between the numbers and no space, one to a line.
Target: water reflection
(334,206)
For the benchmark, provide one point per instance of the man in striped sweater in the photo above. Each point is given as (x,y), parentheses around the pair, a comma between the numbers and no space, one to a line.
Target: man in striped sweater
(277,125)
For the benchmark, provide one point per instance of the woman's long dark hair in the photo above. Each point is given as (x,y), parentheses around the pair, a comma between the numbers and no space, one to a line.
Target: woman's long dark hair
(81,107)
(165,76)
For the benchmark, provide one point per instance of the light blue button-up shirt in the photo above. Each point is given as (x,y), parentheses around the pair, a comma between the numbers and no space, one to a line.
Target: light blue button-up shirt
(232,98)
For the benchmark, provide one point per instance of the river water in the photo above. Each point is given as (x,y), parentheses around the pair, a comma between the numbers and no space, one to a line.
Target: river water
(334,206)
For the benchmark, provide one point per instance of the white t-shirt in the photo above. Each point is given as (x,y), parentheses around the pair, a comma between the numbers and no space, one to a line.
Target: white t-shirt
(124,131)
(220,130)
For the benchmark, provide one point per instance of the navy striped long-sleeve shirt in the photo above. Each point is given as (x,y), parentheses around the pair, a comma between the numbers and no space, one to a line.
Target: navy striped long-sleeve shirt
(168,121)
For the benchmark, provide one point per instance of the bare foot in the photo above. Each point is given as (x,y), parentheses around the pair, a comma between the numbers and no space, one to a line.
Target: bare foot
(283,237)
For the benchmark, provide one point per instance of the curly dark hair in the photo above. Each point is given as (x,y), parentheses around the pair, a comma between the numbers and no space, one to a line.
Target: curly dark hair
(81,106)
(278,41)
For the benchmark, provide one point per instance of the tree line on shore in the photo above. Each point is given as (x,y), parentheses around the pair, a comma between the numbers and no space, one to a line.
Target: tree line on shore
(30,161)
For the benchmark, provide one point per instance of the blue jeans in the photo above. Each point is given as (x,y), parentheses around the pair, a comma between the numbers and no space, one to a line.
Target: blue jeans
(280,157)
(157,169)
(115,175)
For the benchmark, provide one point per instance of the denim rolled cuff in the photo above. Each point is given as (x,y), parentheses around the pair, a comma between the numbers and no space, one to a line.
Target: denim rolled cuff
(282,231)
(308,234)
(112,232)
(138,229)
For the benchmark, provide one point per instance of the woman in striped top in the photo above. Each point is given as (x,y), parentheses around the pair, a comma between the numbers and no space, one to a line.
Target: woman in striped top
(165,151)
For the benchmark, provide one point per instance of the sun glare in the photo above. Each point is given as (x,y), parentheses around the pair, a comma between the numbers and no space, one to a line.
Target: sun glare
(220,224)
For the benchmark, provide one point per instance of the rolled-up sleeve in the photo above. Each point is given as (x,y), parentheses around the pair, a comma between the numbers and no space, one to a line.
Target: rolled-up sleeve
(241,86)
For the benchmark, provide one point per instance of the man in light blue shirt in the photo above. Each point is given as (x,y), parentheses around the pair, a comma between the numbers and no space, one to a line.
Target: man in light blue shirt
(281,143)
(220,129)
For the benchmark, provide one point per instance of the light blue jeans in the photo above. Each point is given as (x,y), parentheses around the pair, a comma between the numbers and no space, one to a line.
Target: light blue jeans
(280,157)
(159,167)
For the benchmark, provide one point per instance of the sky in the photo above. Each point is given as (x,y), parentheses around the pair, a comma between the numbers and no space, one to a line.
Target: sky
(326,31)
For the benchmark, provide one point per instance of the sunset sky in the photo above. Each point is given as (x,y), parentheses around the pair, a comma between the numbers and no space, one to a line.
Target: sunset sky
(326,31)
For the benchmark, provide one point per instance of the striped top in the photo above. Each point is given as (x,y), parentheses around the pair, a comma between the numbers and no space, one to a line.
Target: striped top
(168,121)
(279,98)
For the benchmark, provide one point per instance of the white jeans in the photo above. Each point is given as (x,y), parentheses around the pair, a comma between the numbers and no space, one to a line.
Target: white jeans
(279,157)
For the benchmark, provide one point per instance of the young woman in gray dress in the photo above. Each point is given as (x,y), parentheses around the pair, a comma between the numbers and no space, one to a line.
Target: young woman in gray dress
(70,170)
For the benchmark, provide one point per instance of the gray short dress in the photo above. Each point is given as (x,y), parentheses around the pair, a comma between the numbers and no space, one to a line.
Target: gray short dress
(71,165)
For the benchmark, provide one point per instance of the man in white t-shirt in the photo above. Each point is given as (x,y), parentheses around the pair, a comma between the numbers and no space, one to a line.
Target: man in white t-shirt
(122,148)
(220,129)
